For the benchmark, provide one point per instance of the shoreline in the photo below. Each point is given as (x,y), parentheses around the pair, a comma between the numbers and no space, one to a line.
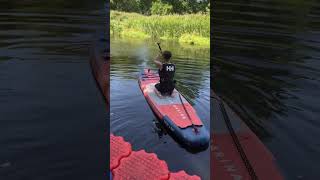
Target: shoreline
(196,32)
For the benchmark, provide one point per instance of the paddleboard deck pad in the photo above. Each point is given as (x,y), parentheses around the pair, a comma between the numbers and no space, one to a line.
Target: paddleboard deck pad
(174,112)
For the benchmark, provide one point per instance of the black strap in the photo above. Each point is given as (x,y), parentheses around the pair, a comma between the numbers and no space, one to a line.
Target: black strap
(236,140)
(185,109)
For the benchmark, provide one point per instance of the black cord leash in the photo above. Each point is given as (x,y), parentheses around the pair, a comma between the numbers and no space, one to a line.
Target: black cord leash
(236,141)
(185,109)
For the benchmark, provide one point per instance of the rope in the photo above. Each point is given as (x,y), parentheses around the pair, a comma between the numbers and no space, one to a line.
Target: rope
(185,109)
(236,141)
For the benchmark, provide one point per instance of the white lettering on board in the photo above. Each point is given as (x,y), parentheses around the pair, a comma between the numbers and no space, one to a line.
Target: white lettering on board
(228,164)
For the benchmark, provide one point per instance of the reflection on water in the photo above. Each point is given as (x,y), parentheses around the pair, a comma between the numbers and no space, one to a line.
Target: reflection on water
(266,66)
(52,118)
(131,116)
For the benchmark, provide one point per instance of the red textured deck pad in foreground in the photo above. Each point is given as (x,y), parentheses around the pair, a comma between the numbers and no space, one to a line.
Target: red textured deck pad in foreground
(119,149)
(182,175)
(141,166)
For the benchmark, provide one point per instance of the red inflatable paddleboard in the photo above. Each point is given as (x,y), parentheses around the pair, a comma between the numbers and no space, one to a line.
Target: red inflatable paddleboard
(237,153)
(100,66)
(175,112)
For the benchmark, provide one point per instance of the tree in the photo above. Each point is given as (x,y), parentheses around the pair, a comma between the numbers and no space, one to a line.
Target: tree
(125,5)
(188,6)
(145,6)
(160,8)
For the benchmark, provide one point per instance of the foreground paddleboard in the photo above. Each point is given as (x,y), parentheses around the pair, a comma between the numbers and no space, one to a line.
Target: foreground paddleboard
(100,66)
(237,153)
(174,112)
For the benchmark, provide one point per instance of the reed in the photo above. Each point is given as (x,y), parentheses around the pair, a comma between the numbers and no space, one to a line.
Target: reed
(191,28)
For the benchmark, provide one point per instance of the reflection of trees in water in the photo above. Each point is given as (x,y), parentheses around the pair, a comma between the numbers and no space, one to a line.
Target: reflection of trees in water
(256,46)
(129,57)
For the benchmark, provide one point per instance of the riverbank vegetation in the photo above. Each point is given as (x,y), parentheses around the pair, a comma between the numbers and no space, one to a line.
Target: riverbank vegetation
(162,20)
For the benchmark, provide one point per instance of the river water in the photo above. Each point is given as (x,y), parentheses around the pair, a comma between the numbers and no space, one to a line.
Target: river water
(266,65)
(52,116)
(132,118)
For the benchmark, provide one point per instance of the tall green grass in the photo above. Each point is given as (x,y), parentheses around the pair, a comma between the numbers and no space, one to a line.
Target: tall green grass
(191,28)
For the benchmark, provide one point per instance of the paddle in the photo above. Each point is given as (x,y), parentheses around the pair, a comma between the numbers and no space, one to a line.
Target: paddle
(185,109)
(159,47)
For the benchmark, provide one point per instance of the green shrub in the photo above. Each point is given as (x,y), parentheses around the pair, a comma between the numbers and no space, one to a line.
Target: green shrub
(160,8)
(192,39)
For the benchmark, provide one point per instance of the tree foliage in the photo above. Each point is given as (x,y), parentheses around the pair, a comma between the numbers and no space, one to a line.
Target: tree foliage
(161,7)
(125,5)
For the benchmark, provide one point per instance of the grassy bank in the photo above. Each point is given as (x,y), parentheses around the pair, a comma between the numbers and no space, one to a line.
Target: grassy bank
(189,29)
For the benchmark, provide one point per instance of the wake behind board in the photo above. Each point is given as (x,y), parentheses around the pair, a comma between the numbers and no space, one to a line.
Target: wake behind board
(174,112)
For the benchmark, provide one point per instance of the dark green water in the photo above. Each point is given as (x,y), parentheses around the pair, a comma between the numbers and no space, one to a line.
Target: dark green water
(52,116)
(132,118)
(266,66)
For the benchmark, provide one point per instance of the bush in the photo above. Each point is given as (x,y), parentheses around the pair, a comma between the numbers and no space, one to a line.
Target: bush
(125,5)
(160,8)
(192,39)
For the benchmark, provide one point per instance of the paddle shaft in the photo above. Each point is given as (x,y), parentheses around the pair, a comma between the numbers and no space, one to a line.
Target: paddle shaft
(159,48)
